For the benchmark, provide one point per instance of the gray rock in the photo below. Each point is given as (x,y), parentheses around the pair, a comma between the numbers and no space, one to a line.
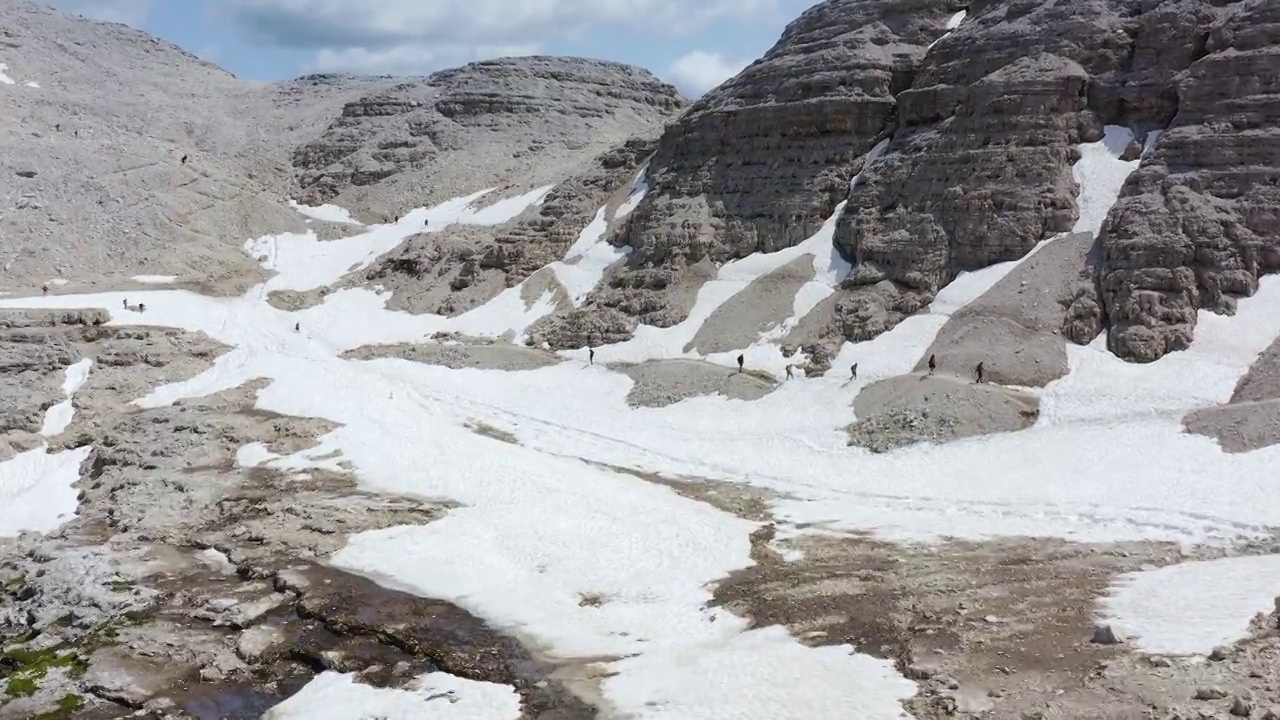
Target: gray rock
(1198,224)
(1209,693)
(1105,635)
(910,409)
(1240,707)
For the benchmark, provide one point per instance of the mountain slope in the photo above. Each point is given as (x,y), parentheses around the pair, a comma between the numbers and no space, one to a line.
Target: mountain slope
(100,115)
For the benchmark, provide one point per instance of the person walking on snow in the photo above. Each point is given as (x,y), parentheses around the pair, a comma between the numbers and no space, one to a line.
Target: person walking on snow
(741,360)
(126,303)
(591,356)
(933,363)
(789,375)
(44,289)
(979,371)
(854,371)
(297,327)
(142,307)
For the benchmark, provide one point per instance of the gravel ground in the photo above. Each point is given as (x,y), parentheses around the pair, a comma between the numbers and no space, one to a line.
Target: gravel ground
(665,382)
(940,408)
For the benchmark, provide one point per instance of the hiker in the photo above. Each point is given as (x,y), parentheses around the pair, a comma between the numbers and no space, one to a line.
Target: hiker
(933,363)
(854,370)
(426,223)
(789,375)
(979,371)
(142,307)
(184,159)
(591,355)
(44,289)
(77,133)
(741,360)
(297,327)
(57,127)
(126,303)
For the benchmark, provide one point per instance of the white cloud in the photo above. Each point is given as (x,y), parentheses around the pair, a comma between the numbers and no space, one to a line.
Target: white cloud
(411,59)
(697,72)
(129,12)
(341,23)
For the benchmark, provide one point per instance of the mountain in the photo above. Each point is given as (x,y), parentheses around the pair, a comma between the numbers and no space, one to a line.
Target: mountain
(94,188)
(982,106)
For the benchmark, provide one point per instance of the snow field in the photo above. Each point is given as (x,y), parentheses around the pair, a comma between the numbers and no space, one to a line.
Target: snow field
(1191,608)
(1107,462)
(327,213)
(36,486)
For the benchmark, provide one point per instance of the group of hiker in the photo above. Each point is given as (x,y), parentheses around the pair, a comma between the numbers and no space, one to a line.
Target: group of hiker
(978,371)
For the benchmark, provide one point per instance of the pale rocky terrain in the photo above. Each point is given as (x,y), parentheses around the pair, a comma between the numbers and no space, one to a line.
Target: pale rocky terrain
(192,584)
(94,189)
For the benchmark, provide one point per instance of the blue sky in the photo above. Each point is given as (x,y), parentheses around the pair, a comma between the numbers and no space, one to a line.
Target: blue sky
(695,44)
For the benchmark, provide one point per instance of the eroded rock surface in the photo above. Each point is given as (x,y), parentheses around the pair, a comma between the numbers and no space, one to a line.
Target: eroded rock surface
(910,409)
(1200,221)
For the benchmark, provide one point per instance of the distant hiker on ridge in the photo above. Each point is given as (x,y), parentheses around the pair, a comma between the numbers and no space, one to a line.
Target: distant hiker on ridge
(933,363)
(979,371)
(789,375)
(854,370)
(591,355)
(741,360)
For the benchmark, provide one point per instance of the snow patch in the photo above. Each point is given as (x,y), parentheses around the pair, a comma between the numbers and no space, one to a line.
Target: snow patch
(4,77)
(438,696)
(1101,175)
(58,418)
(326,212)
(639,188)
(1191,608)
(33,84)
(154,279)
(36,490)
(253,455)
(955,20)
(59,281)
(303,262)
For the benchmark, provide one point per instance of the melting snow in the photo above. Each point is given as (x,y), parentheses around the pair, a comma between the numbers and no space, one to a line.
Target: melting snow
(33,84)
(154,279)
(1193,607)
(586,261)
(36,487)
(58,418)
(4,78)
(327,213)
(953,22)
(438,696)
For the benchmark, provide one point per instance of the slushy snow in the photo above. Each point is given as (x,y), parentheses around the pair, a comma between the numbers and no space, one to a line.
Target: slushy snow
(327,213)
(1191,608)
(437,696)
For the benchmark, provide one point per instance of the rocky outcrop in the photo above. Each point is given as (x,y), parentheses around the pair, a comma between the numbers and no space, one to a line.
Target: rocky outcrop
(1251,419)
(983,120)
(760,162)
(1201,220)
(458,268)
(484,124)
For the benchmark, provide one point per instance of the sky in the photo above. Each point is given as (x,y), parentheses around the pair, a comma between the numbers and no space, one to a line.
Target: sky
(695,45)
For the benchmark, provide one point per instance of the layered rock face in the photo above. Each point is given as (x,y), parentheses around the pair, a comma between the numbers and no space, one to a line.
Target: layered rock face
(983,114)
(1200,222)
(490,122)
(760,162)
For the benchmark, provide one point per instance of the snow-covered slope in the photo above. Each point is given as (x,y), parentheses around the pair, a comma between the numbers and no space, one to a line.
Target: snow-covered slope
(1107,462)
